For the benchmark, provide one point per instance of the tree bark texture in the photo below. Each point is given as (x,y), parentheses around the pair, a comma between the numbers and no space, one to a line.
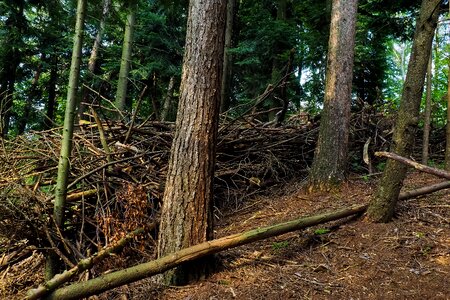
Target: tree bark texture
(186,213)
(330,160)
(383,205)
(119,278)
(427,117)
(125,61)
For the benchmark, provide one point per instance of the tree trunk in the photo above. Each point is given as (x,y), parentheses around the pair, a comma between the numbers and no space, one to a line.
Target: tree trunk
(427,117)
(276,100)
(227,58)
(126,57)
(66,143)
(447,139)
(51,100)
(186,213)
(94,56)
(14,26)
(330,160)
(168,100)
(383,205)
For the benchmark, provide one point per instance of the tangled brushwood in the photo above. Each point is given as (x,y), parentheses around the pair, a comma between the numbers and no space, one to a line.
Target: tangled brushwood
(116,184)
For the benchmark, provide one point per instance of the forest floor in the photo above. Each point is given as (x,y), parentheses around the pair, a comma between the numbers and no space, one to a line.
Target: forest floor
(408,258)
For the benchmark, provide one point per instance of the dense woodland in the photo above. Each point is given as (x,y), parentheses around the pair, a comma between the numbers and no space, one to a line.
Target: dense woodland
(148,121)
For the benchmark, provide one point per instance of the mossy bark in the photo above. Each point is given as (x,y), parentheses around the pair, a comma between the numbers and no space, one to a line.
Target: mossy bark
(330,160)
(383,205)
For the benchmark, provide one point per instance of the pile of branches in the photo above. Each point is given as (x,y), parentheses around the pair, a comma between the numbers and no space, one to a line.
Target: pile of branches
(118,173)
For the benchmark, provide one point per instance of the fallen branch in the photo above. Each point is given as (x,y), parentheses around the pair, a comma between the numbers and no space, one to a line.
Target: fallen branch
(416,165)
(424,190)
(82,265)
(132,274)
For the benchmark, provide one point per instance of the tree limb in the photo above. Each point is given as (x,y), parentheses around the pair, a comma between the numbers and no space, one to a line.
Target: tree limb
(416,165)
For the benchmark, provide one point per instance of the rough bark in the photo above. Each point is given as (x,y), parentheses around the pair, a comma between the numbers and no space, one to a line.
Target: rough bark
(66,143)
(330,160)
(119,278)
(186,213)
(122,84)
(383,204)
(227,58)
(427,117)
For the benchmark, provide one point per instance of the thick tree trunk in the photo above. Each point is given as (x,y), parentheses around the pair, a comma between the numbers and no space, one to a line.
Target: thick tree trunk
(122,84)
(119,278)
(427,117)
(186,213)
(447,138)
(66,143)
(330,160)
(383,205)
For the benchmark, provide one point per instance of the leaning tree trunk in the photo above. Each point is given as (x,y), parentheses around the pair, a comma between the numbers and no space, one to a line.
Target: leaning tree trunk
(383,205)
(330,160)
(186,213)
(66,143)
(126,57)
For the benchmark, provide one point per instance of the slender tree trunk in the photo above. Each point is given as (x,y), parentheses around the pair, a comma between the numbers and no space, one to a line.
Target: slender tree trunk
(383,205)
(427,117)
(126,57)
(15,25)
(168,99)
(33,94)
(66,143)
(447,145)
(51,99)
(94,56)
(186,217)
(227,58)
(330,160)
(278,64)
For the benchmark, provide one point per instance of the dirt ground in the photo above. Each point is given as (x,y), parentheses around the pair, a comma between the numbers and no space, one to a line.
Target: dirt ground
(408,258)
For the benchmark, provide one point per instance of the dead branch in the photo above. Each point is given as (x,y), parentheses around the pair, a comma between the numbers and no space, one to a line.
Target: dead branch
(119,278)
(416,165)
(424,190)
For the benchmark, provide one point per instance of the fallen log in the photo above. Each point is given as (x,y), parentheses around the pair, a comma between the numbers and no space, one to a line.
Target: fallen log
(82,265)
(132,274)
(416,165)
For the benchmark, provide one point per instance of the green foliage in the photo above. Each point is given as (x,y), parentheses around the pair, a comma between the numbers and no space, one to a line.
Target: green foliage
(321,231)
(276,246)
